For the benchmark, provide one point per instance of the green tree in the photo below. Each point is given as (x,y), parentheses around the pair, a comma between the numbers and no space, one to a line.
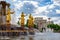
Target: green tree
(56,27)
(18,23)
(35,26)
(26,24)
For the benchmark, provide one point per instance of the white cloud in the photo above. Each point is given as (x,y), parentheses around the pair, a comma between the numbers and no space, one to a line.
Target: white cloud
(58,11)
(14,0)
(56,2)
(18,5)
(53,18)
(46,11)
(51,6)
(34,3)
(44,17)
(21,3)
(40,9)
(56,20)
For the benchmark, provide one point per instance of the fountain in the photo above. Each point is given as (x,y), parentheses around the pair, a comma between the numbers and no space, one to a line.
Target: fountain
(8,30)
(48,35)
(49,30)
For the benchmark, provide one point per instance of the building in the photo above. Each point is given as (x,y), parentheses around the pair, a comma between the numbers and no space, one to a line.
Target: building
(40,22)
(50,22)
(3,9)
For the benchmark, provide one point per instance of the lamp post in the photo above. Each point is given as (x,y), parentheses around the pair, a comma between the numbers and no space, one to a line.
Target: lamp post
(49,24)
(49,21)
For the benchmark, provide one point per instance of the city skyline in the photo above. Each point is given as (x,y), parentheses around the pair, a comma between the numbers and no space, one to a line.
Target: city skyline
(44,8)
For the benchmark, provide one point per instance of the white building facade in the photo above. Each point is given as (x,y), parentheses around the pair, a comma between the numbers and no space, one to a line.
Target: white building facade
(40,22)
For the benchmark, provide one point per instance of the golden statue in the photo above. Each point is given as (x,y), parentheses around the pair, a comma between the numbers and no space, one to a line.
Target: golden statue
(30,21)
(8,16)
(22,19)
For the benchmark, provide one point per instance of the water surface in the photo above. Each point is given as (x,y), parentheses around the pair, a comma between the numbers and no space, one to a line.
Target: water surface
(37,36)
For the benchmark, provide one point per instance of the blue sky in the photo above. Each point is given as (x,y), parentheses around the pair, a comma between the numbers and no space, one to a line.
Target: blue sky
(44,8)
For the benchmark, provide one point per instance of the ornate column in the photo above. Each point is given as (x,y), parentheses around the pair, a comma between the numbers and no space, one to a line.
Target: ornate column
(3,11)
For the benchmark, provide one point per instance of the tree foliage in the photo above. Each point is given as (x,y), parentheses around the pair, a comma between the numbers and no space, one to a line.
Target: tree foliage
(54,26)
(18,23)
